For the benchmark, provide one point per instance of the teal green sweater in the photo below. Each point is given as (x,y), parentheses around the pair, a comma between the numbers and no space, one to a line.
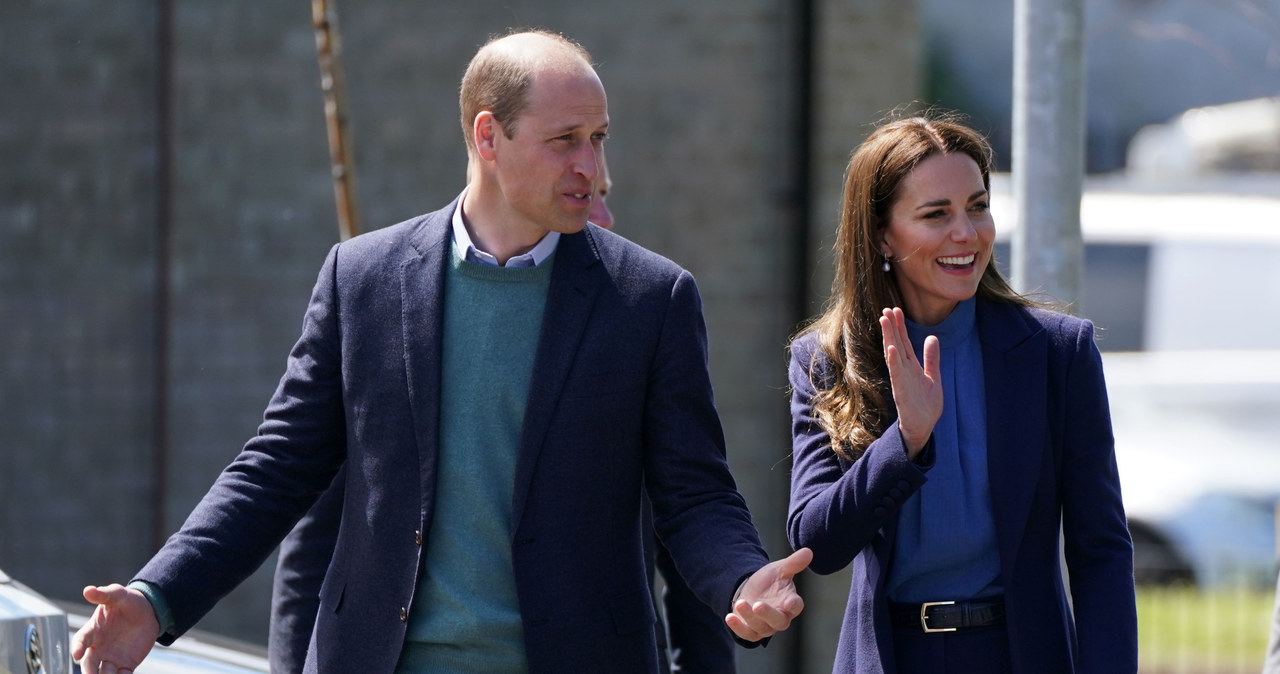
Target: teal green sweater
(466,615)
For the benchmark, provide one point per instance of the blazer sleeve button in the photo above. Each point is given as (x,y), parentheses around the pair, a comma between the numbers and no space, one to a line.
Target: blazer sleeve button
(417,536)
(404,614)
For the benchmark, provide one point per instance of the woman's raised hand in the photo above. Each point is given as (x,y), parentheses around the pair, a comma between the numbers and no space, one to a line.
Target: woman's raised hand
(917,391)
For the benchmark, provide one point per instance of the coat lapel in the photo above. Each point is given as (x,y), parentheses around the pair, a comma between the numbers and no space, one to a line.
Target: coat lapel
(1014,361)
(575,281)
(422,287)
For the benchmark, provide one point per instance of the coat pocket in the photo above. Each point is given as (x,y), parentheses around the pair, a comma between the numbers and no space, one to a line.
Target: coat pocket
(331,591)
(632,612)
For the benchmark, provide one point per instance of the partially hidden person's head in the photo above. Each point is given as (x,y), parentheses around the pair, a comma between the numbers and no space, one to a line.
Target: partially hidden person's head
(916,200)
(535,116)
(600,213)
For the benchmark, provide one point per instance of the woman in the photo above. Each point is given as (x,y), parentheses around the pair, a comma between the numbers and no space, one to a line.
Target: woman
(943,426)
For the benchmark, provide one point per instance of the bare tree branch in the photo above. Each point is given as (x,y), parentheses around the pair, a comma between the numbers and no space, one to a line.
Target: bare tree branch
(329,50)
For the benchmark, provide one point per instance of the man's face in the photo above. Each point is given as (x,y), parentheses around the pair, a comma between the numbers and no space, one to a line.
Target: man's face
(548,171)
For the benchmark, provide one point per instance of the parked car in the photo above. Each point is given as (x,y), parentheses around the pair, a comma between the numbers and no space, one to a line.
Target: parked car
(33,632)
(35,638)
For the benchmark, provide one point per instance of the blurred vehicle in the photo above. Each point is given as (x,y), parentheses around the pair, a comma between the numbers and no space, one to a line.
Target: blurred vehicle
(33,632)
(1182,278)
(1159,256)
(1236,136)
(1198,447)
(35,638)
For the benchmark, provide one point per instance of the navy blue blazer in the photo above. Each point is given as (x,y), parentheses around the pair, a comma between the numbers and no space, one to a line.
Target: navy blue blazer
(692,638)
(620,401)
(690,632)
(1050,458)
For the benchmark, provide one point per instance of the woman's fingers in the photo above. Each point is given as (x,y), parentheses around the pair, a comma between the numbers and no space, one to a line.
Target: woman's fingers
(932,358)
(893,328)
(917,393)
(893,323)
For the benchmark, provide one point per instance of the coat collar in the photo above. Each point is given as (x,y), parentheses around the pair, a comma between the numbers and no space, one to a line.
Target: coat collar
(576,280)
(422,334)
(1014,362)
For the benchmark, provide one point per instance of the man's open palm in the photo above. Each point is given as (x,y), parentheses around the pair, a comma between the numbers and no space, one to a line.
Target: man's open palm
(120,633)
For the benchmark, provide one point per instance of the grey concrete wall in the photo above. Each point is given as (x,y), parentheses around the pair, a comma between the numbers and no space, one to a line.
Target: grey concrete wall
(867,63)
(252,219)
(77,217)
(702,152)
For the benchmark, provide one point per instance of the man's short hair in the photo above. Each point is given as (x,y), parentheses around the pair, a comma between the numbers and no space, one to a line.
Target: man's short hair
(499,75)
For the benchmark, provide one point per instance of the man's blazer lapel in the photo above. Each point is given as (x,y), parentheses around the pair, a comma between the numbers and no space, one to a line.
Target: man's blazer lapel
(422,287)
(575,281)
(1014,361)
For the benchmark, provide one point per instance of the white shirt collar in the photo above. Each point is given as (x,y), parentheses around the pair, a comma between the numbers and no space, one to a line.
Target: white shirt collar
(536,256)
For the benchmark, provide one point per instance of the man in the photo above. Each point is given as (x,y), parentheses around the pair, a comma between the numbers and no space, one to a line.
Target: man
(498,383)
(695,638)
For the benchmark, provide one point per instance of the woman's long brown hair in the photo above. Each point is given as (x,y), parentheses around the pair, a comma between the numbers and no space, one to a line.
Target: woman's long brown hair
(853,410)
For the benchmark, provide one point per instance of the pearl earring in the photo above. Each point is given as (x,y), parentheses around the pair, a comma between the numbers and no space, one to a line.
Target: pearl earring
(885,266)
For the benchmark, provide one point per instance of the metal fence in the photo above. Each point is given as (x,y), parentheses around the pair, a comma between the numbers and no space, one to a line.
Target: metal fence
(1183,629)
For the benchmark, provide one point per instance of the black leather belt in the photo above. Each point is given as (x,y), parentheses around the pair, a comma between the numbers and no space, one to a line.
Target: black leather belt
(947,616)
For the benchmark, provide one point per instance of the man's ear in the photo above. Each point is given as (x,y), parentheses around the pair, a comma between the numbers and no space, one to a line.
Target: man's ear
(485,128)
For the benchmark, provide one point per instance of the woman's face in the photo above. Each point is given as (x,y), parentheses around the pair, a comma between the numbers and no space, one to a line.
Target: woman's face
(939,235)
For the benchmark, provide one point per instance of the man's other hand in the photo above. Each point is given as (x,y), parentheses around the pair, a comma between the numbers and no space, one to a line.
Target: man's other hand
(767,602)
(120,633)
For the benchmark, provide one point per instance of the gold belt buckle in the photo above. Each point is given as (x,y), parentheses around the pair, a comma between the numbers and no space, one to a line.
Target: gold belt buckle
(924,616)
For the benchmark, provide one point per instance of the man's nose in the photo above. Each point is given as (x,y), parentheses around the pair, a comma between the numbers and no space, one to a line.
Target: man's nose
(586,161)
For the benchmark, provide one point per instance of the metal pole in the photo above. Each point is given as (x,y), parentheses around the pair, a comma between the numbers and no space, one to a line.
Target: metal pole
(329,50)
(1048,147)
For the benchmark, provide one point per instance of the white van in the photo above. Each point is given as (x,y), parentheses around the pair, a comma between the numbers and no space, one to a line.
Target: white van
(1166,264)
